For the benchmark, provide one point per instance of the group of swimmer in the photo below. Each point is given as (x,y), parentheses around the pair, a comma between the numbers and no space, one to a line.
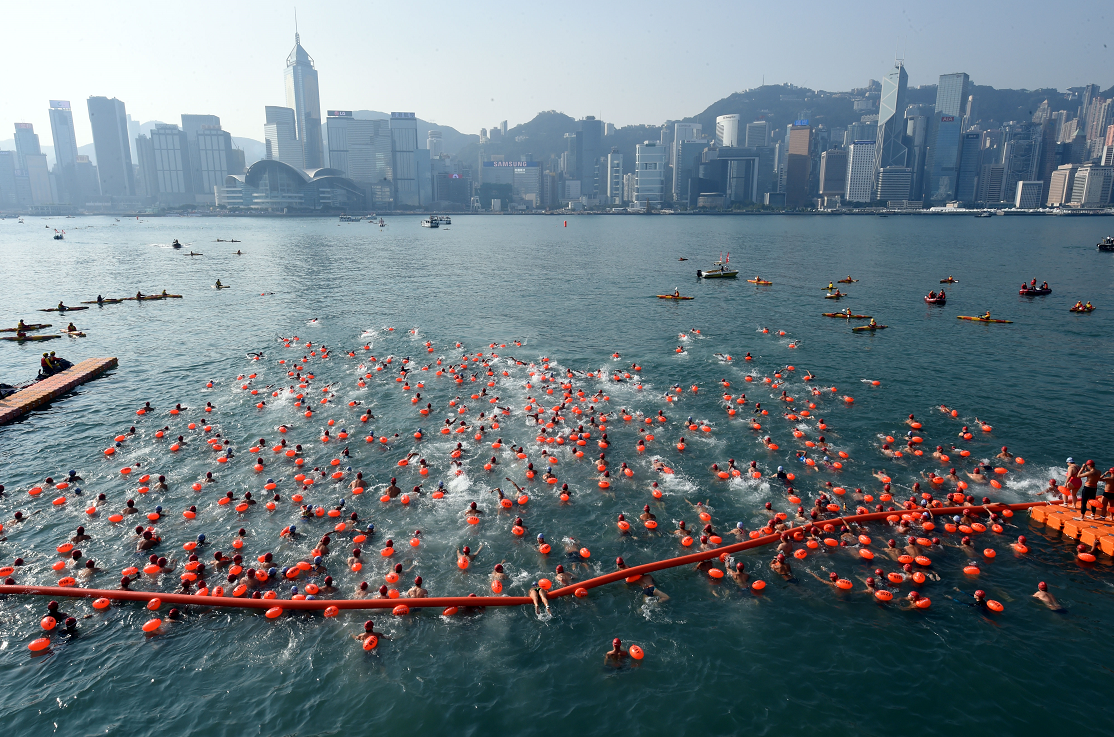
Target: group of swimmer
(802,530)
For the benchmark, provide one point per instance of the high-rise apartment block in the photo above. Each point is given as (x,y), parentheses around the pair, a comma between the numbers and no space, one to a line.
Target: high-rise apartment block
(727,130)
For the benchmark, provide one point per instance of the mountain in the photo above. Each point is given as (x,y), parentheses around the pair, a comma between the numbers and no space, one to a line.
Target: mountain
(253,150)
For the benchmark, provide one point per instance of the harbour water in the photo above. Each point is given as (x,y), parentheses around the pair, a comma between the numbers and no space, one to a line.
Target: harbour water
(718,659)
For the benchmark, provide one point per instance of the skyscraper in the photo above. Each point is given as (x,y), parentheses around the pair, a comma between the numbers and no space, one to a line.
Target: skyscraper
(942,161)
(192,125)
(891,149)
(615,177)
(404,144)
(280,135)
(26,144)
(303,97)
(109,120)
(434,143)
(798,166)
(65,151)
(860,171)
(362,150)
(758,134)
(727,130)
(969,164)
(591,144)
(833,173)
(650,159)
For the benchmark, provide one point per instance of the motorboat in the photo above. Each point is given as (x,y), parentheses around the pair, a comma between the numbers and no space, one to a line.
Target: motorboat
(431,223)
(1107,244)
(720,270)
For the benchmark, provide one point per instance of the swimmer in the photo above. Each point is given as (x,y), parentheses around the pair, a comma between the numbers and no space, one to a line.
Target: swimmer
(467,553)
(779,566)
(617,654)
(563,577)
(80,536)
(739,575)
(1046,598)
(1005,454)
(538,597)
(1107,492)
(393,490)
(416,591)
(1073,482)
(369,632)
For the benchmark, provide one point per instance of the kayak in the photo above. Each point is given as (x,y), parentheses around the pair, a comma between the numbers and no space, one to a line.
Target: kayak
(979,319)
(760,281)
(222,286)
(103,302)
(1081,309)
(949,281)
(935,300)
(868,327)
(834,296)
(68,309)
(670,296)
(1034,292)
(845,316)
(846,281)
(30,337)
(36,326)
(73,333)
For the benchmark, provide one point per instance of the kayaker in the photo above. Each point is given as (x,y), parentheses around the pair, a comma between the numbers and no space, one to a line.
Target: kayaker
(1078,305)
(1088,306)
(139,295)
(62,307)
(941,295)
(22,327)
(218,285)
(873,322)
(931,294)
(831,286)
(986,316)
(676,292)
(100,300)
(71,328)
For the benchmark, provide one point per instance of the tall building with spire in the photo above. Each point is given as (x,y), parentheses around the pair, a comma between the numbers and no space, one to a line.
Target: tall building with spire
(891,149)
(304,98)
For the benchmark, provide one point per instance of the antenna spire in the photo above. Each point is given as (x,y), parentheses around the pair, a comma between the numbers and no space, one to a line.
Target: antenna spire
(297,36)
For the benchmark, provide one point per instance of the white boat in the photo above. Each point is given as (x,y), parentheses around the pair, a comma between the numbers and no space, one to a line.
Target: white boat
(432,222)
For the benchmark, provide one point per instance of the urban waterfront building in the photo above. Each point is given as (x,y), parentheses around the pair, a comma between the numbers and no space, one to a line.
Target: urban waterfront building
(615,177)
(280,136)
(1062,185)
(860,171)
(270,184)
(894,183)
(211,156)
(833,173)
(590,152)
(173,178)
(434,143)
(1028,195)
(798,165)
(727,130)
(362,151)
(686,160)
(65,152)
(650,160)
(404,147)
(969,162)
(943,159)
(891,150)
(303,97)
(525,178)
(1092,186)
(26,144)
(758,134)
(109,120)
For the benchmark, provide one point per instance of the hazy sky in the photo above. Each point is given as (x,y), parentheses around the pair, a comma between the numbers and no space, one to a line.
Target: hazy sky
(471,65)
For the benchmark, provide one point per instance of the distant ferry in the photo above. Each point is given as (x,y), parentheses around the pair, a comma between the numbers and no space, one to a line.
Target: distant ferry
(985,214)
(443,219)
(350,219)
(432,222)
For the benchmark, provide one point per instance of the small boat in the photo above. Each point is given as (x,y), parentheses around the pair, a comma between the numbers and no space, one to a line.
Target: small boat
(35,326)
(103,302)
(671,296)
(1107,244)
(431,223)
(63,309)
(1085,308)
(762,282)
(719,271)
(442,219)
(949,280)
(868,328)
(935,300)
(58,236)
(979,319)
(175,244)
(24,338)
(350,219)
(848,280)
(838,295)
(984,214)
(845,316)
(382,223)
(1030,292)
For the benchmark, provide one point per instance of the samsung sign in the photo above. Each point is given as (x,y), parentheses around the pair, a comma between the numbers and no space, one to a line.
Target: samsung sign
(515,164)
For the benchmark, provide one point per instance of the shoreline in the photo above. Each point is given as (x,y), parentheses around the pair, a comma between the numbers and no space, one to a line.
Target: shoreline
(577,213)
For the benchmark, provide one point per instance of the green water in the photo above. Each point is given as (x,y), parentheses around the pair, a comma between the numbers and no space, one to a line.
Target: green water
(718,659)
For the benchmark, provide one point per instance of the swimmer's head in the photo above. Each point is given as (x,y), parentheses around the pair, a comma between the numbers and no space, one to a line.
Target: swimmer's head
(833,576)
(1042,586)
(383,590)
(980,594)
(498,567)
(560,569)
(369,626)
(738,525)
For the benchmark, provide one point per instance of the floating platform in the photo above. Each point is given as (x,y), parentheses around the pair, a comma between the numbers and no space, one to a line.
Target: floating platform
(42,392)
(1065,519)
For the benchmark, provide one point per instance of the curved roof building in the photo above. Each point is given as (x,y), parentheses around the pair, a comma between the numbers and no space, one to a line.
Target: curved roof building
(269,184)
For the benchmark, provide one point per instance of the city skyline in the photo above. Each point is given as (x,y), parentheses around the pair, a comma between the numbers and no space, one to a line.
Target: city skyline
(230,75)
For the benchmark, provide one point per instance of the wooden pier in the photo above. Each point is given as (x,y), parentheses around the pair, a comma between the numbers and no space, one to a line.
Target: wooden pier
(43,392)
